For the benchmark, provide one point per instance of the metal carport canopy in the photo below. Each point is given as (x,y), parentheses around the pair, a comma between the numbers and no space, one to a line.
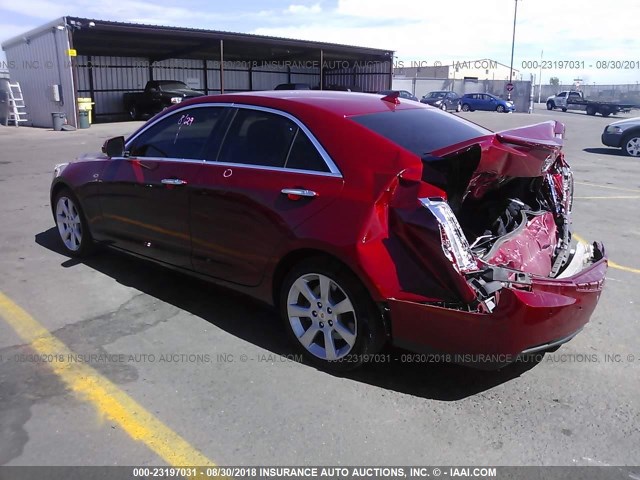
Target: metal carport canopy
(157,43)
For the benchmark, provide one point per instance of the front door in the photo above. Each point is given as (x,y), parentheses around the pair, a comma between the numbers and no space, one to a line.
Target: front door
(145,196)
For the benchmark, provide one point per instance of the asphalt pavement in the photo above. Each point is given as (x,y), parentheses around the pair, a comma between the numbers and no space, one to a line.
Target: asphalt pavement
(214,370)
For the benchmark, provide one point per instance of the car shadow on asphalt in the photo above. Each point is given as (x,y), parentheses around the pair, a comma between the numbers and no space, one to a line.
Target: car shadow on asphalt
(259,324)
(616,152)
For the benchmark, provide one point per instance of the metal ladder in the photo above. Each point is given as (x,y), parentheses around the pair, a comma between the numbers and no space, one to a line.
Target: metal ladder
(17,108)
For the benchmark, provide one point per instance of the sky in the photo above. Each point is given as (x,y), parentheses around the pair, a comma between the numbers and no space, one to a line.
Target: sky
(582,35)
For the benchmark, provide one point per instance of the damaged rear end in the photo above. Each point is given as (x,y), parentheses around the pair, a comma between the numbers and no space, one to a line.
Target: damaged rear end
(498,239)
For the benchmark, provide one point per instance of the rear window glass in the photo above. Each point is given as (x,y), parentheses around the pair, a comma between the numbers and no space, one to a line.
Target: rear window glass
(421,131)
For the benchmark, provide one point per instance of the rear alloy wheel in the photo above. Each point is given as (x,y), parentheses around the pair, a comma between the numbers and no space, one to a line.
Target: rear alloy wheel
(458,108)
(465,107)
(72,226)
(500,109)
(631,145)
(330,316)
(591,110)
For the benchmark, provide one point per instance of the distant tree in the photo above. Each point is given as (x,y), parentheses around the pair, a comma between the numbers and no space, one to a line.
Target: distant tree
(554,81)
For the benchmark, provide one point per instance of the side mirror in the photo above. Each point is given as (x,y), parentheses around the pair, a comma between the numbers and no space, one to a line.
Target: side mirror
(114,147)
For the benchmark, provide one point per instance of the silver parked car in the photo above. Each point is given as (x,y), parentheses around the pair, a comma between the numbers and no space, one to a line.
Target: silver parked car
(624,134)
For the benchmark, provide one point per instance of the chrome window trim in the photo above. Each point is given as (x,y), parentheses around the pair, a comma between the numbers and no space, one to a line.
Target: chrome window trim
(162,159)
(334,171)
(148,125)
(274,169)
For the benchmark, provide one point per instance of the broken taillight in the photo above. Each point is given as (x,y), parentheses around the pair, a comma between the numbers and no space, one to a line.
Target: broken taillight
(454,244)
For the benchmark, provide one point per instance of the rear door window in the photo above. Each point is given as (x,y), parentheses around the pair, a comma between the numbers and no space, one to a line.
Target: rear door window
(258,138)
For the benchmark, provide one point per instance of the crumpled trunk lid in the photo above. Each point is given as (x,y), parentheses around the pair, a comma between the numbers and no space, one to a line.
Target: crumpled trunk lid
(485,178)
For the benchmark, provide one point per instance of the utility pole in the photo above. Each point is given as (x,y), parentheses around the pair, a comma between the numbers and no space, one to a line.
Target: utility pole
(513,44)
(540,77)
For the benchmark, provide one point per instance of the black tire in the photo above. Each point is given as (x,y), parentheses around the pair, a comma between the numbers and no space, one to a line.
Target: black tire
(628,143)
(443,107)
(591,110)
(458,107)
(133,112)
(550,105)
(72,246)
(564,109)
(500,109)
(365,319)
(465,107)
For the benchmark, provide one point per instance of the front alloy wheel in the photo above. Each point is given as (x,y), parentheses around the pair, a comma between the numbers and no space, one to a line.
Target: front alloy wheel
(72,228)
(329,315)
(631,146)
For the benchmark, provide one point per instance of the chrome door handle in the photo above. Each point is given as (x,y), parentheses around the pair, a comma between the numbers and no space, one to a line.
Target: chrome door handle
(300,192)
(173,181)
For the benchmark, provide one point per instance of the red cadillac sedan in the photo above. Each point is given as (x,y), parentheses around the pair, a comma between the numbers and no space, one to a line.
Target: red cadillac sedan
(365,219)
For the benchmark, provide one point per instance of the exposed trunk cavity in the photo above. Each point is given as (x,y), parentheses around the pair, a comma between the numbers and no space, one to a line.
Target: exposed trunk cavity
(511,193)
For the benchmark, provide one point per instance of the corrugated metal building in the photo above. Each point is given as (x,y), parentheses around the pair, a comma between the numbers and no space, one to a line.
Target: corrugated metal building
(73,57)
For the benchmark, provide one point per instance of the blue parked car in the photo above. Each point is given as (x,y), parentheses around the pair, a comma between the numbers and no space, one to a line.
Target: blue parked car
(485,101)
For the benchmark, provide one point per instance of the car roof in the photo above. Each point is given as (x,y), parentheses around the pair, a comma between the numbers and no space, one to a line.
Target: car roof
(344,104)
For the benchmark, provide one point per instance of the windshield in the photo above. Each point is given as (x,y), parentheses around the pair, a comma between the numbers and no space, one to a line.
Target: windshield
(421,130)
(436,94)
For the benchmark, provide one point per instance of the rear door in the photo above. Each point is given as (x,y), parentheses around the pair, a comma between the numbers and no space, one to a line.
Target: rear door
(145,196)
(269,175)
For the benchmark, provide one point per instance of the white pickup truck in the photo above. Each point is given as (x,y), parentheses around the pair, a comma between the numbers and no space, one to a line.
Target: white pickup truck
(573,99)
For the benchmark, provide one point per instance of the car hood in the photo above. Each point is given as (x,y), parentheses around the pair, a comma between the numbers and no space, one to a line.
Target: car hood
(431,101)
(89,157)
(184,92)
(627,122)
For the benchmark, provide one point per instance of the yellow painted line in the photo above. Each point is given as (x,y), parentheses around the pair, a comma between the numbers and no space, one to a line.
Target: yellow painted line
(588,184)
(622,267)
(617,197)
(108,399)
(611,263)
